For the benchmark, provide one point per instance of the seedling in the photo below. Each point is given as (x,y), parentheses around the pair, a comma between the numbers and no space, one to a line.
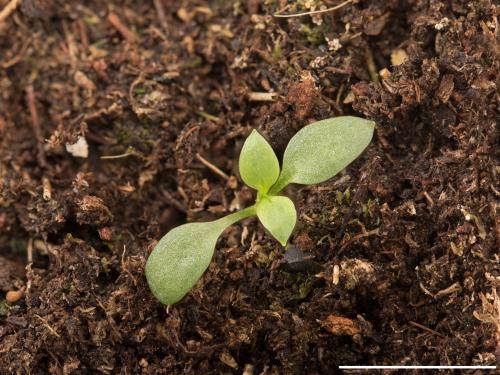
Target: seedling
(316,153)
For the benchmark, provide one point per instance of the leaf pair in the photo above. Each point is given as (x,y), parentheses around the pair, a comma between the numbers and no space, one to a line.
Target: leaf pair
(316,153)
(260,169)
(321,150)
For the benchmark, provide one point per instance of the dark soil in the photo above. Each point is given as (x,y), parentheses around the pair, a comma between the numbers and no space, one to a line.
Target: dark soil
(404,266)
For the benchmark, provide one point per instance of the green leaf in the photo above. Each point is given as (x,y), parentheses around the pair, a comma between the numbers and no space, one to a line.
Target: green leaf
(259,166)
(278,215)
(322,149)
(180,259)
(181,256)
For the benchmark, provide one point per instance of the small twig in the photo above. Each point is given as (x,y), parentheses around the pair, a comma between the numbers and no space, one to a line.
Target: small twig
(13,61)
(429,199)
(341,5)
(52,330)
(208,116)
(121,156)
(97,138)
(212,167)
(29,250)
(359,236)
(161,15)
(35,123)
(418,325)
(262,96)
(174,202)
(354,36)
(82,29)
(182,193)
(117,23)
(455,287)
(46,189)
(372,68)
(426,291)
(8,10)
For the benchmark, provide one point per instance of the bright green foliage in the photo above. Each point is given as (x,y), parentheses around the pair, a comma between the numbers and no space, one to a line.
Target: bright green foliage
(278,215)
(321,150)
(315,154)
(181,257)
(259,166)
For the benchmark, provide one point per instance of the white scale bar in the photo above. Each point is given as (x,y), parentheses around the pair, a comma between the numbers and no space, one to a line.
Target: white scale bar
(418,367)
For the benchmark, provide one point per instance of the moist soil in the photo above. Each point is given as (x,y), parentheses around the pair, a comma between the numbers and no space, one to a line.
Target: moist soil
(393,262)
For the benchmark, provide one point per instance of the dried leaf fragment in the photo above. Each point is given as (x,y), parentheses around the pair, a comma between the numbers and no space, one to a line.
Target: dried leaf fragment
(228,359)
(445,88)
(341,326)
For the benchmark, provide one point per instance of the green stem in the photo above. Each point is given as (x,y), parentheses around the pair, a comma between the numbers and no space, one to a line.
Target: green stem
(237,216)
(278,186)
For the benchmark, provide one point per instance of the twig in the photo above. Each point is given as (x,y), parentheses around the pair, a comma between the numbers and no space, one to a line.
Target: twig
(374,232)
(212,167)
(18,57)
(161,15)
(455,287)
(83,33)
(208,116)
(372,68)
(29,251)
(9,9)
(354,36)
(418,325)
(52,330)
(121,156)
(174,201)
(117,23)
(46,189)
(341,5)
(262,96)
(35,123)
(429,199)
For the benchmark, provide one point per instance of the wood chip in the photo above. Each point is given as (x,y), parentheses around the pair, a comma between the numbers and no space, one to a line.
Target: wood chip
(262,96)
(341,326)
(47,189)
(398,57)
(336,274)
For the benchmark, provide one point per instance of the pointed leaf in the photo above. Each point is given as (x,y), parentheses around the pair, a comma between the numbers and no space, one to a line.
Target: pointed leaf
(278,215)
(259,166)
(322,149)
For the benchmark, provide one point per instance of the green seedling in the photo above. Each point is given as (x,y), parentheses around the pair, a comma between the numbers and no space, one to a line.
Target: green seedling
(316,153)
